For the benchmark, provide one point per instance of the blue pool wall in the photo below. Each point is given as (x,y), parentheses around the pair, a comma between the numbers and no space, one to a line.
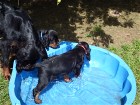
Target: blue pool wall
(122,72)
(100,58)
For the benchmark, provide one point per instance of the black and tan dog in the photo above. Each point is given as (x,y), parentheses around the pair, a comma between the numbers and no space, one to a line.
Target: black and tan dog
(60,65)
(49,38)
(18,40)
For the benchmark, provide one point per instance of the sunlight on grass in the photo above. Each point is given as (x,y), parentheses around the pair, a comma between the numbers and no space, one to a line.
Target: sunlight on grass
(131,55)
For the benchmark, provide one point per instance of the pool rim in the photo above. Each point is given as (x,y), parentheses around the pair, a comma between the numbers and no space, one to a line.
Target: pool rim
(130,96)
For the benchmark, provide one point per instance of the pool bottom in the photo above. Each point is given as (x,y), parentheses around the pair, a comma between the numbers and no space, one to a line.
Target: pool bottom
(93,86)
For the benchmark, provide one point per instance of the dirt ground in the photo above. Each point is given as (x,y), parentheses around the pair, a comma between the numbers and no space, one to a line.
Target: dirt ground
(75,19)
(119,34)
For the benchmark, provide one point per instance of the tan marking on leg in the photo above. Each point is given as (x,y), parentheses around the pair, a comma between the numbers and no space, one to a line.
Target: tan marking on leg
(66,78)
(37,100)
(6,73)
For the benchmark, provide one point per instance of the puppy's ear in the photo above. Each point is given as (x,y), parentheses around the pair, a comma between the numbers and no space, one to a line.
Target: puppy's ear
(44,38)
(87,51)
(46,42)
(88,56)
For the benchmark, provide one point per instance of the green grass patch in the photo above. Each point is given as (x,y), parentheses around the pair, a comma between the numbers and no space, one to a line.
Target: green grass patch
(131,55)
(4,96)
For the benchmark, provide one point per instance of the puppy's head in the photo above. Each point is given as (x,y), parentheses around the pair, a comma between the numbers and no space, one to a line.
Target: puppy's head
(86,48)
(50,38)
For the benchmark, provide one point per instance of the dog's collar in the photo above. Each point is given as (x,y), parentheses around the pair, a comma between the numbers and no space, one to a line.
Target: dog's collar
(83,48)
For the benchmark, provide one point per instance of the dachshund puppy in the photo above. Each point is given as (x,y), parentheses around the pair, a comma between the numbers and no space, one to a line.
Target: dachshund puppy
(49,38)
(60,65)
(18,39)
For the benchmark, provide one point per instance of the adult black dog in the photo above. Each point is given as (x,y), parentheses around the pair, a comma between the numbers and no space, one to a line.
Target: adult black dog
(18,39)
(60,65)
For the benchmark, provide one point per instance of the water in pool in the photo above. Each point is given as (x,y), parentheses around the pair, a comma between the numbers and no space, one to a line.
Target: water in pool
(94,86)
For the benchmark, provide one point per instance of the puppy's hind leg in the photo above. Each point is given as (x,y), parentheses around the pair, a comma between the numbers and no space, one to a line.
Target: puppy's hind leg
(42,83)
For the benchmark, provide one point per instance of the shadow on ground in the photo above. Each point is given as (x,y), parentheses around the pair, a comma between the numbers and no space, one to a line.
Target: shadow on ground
(64,17)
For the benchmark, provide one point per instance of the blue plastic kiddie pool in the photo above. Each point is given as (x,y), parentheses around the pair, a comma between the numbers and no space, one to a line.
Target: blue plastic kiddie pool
(105,80)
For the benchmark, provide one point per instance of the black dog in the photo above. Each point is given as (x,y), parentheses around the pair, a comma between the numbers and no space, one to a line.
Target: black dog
(18,40)
(47,38)
(60,65)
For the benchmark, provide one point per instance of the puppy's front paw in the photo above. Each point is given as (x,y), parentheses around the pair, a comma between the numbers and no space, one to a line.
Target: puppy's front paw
(36,96)
(38,101)
(66,78)
(6,73)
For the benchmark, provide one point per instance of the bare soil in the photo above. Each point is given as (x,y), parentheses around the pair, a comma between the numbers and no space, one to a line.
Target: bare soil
(75,19)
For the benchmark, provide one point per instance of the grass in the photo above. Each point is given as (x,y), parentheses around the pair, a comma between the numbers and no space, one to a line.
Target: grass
(4,96)
(130,53)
